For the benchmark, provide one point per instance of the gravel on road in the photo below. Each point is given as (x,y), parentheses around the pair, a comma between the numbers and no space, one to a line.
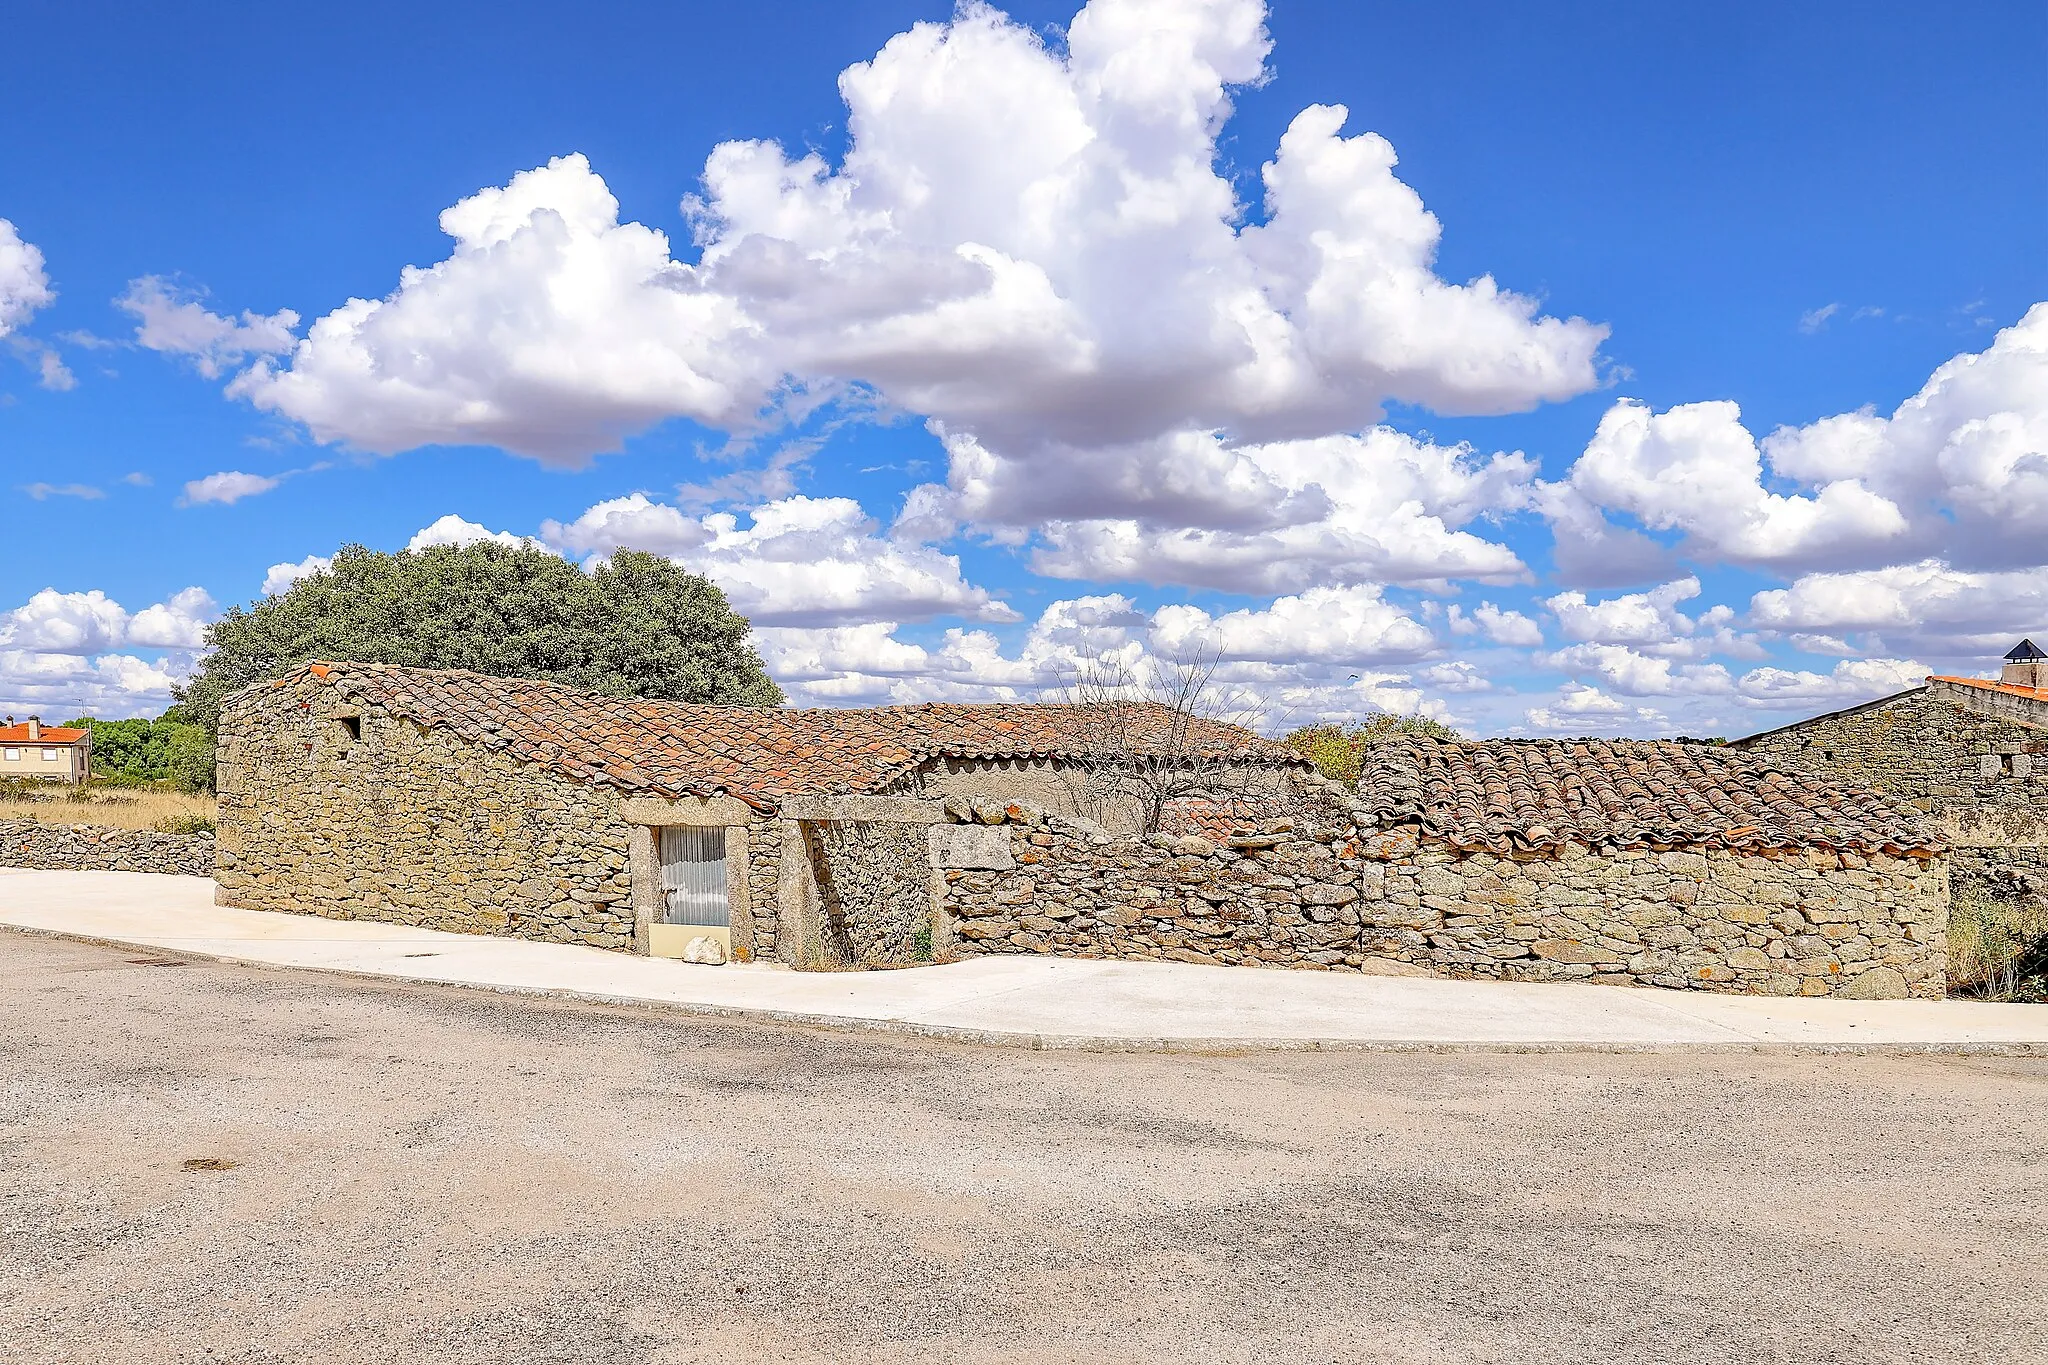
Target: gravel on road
(208,1162)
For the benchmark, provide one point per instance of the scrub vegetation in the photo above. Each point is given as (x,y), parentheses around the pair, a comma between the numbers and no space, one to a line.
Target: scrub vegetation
(1998,947)
(150,753)
(164,810)
(1340,753)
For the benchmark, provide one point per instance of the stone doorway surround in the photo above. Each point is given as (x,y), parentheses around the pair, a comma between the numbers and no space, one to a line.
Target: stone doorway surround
(804,936)
(647,815)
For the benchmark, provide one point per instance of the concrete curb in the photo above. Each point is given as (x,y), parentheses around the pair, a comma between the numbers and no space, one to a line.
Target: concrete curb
(1053,1042)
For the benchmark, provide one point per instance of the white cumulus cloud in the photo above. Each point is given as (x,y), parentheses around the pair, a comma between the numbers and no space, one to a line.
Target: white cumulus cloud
(228,486)
(55,622)
(1379,506)
(24,282)
(58,652)
(280,577)
(177,622)
(1639,618)
(801,561)
(1696,469)
(553,331)
(1500,625)
(1632,673)
(1579,709)
(59,686)
(1928,608)
(1850,682)
(1957,472)
(453,530)
(1030,246)
(1350,626)
(175,322)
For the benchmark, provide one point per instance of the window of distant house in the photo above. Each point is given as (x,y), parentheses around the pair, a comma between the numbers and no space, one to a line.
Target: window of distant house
(50,755)
(14,755)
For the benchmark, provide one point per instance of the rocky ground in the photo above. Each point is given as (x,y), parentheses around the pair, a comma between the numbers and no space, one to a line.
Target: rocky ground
(213,1163)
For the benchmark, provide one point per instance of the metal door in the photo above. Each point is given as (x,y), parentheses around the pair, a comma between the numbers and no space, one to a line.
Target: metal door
(693,877)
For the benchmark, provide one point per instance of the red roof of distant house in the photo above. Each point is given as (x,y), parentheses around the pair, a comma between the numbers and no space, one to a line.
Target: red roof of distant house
(2010,689)
(51,734)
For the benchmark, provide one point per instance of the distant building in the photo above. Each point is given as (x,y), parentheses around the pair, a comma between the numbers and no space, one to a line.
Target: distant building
(46,753)
(1970,752)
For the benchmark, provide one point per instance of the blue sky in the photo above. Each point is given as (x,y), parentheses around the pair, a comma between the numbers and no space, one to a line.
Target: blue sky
(1028,367)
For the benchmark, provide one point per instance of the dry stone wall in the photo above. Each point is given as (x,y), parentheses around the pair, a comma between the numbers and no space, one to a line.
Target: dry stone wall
(1388,901)
(764,875)
(98,848)
(875,890)
(2002,873)
(1060,788)
(335,809)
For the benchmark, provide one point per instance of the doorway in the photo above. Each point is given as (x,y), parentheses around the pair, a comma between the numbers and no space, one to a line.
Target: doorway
(695,899)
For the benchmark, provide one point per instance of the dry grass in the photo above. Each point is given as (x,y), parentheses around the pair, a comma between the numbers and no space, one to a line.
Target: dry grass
(120,808)
(1997,949)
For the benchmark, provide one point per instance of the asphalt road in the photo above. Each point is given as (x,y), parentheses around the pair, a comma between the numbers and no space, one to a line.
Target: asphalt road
(426,1174)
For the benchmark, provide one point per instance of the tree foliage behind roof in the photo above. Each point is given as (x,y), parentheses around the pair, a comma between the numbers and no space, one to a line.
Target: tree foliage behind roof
(637,626)
(1339,753)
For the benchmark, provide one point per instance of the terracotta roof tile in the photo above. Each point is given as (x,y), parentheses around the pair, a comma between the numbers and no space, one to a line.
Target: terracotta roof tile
(1541,794)
(757,753)
(52,734)
(1991,685)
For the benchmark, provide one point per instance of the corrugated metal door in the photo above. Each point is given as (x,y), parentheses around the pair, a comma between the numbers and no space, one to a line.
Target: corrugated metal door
(693,876)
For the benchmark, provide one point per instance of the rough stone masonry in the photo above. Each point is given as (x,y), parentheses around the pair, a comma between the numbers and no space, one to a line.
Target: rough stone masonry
(98,848)
(1392,901)
(482,805)
(1974,758)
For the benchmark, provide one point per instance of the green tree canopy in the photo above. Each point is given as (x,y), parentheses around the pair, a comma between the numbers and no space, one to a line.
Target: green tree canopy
(636,627)
(138,751)
(1340,753)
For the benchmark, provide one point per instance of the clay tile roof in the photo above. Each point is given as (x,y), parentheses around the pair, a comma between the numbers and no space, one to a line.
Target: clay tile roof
(1505,795)
(757,753)
(1989,685)
(51,734)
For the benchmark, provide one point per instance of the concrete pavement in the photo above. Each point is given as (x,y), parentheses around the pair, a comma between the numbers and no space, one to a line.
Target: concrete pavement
(1026,1001)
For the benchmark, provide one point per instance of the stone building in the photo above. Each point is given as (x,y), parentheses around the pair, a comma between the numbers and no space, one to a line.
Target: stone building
(492,805)
(1970,753)
(904,834)
(1649,863)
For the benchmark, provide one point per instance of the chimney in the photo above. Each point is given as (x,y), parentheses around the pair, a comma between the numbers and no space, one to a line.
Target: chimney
(2026,665)
(35,727)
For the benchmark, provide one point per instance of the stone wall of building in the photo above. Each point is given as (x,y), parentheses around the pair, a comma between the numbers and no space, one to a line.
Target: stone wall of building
(1958,753)
(764,873)
(99,848)
(1063,788)
(1992,702)
(1923,747)
(2001,873)
(1811,923)
(335,808)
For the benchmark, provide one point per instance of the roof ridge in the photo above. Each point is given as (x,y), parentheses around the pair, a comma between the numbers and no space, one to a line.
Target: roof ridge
(761,753)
